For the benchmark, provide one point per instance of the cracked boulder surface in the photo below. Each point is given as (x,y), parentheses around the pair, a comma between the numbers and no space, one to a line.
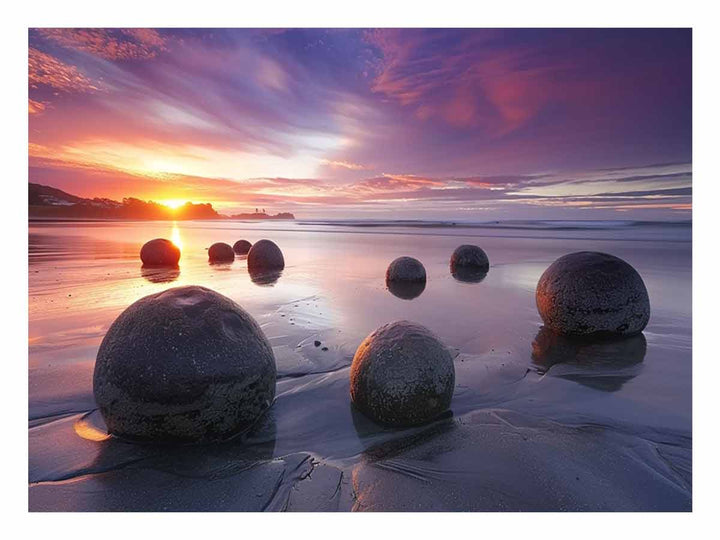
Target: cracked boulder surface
(183,365)
(592,295)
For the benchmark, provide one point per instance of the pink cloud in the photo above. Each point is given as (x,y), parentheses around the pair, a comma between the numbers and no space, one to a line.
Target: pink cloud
(110,44)
(47,70)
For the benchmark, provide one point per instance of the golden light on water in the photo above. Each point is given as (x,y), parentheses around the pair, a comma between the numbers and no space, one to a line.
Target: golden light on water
(175,236)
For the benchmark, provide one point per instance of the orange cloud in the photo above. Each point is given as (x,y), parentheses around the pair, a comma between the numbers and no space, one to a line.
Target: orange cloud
(35,107)
(44,69)
(345,165)
(110,44)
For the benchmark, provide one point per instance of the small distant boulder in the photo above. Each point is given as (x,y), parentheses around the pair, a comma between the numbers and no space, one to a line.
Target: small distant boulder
(402,375)
(183,365)
(221,252)
(241,247)
(265,255)
(592,295)
(469,262)
(405,269)
(160,252)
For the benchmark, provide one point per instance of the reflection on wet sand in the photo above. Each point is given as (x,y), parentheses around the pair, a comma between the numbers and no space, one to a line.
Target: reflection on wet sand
(264,278)
(221,266)
(603,365)
(160,275)
(468,275)
(406,290)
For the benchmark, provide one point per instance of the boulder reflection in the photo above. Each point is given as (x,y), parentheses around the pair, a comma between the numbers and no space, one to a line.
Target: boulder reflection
(603,365)
(156,274)
(468,274)
(264,278)
(406,290)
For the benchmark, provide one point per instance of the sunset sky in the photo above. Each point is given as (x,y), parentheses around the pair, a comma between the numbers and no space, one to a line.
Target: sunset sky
(435,124)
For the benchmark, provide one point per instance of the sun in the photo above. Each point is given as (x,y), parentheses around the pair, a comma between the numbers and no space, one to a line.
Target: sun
(173,203)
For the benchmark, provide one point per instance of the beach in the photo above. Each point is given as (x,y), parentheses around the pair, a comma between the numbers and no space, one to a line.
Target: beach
(535,424)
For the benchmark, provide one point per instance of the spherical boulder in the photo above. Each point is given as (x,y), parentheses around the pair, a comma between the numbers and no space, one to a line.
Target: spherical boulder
(241,247)
(265,255)
(593,295)
(402,375)
(159,252)
(221,252)
(405,269)
(183,365)
(468,260)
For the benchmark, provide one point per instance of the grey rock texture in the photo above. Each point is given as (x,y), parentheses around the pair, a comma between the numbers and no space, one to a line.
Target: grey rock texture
(594,295)
(468,257)
(183,365)
(241,247)
(405,269)
(160,252)
(402,375)
(221,252)
(265,255)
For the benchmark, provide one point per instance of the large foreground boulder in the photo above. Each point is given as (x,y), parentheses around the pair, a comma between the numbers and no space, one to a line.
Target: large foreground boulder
(241,247)
(405,269)
(265,255)
(220,252)
(183,365)
(402,375)
(160,252)
(593,295)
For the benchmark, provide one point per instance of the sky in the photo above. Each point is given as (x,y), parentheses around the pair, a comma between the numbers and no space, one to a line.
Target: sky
(463,124)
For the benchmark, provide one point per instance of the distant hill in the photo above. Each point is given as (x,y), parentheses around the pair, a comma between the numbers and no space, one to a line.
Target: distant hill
(50,202)
(263,215)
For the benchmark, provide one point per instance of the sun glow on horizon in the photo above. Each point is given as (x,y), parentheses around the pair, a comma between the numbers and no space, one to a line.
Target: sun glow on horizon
(173,203)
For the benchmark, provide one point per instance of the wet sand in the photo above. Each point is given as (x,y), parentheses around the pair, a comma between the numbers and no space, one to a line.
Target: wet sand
(536,424)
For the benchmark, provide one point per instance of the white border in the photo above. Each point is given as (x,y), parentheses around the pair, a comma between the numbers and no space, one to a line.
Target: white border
(367,13)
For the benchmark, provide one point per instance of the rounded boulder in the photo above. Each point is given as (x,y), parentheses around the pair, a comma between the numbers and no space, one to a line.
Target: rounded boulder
(241,247)
(468,258)
(221,252)
(402,375)
(405,269)
(265,255)
(592,295)
(160,252)
(183,365)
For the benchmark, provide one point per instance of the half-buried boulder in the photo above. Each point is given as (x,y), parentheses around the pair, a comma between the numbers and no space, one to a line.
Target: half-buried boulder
(183,365)
(220,252)
(159,252)
(241,247)
(265,255)
(402,375)
(593,295)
